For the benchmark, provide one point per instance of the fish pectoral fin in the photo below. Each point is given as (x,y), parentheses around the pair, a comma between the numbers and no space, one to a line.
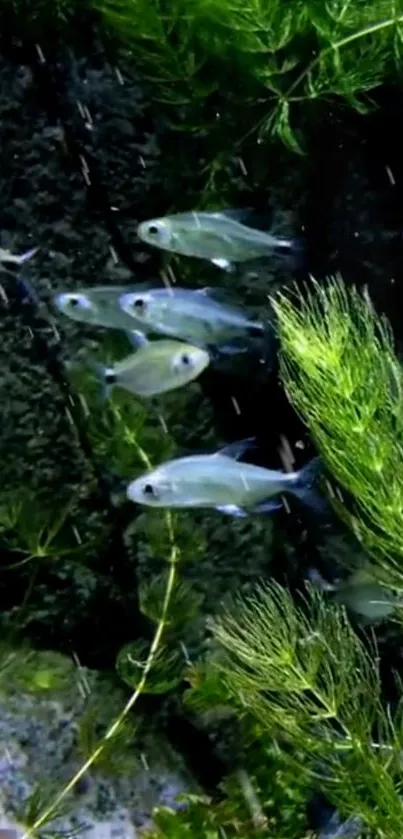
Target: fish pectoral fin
(224,264)
(137,338)
(235,450)
(266,507)
(232,510)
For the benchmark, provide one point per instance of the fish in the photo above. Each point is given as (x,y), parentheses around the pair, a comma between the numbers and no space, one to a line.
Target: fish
(359,593)
(219,481)
(219,237)
(97,306)
(191,315)
(156,367)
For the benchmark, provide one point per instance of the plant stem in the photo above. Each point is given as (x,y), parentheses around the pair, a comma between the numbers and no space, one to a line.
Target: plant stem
(114,727)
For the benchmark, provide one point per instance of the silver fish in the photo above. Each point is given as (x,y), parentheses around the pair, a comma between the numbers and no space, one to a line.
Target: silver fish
(218,236)
(360,593)
(98,306)
(189,315)
(155,368)
(218,481)
(363,595)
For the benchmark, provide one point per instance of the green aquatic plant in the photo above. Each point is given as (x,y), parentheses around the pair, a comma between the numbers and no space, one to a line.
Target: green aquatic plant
(26,671)
(118,757)
(35,532)
(127,423)
(201,817)
(167,669)
(278,55)
(341,372)
(310,682)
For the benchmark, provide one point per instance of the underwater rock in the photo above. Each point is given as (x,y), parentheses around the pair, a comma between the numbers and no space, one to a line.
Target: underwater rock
(41,747)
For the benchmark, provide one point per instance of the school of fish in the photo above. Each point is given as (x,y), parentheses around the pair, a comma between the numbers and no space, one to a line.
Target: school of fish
(174,333)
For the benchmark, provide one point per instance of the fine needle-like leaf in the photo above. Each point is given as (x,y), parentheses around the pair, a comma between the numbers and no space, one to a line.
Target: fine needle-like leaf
(305,676)
(341,372)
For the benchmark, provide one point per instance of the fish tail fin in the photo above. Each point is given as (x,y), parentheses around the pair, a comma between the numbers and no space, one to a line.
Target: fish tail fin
(24,257)
(295,246)
(7,256)
(304,487)
(136,338)
(105,376)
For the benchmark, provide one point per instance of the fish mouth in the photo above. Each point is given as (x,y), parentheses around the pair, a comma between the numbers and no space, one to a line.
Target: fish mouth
(60,299)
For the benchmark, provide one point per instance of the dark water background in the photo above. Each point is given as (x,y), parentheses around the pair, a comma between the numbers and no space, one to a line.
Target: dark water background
(78,191)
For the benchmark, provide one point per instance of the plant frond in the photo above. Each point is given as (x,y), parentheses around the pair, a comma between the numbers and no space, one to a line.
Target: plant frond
(339,367)
(297,52)
(303,673)
(309,665)
(167,669)
(184,605)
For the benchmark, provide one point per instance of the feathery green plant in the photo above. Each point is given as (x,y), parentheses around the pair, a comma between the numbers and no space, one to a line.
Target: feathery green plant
(122,424)
(277,54)
(340,370)
(305,676)
(33,532)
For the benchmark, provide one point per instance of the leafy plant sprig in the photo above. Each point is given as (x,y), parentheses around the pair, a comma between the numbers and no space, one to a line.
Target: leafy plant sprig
(304,675)
(340,370)
(282,55)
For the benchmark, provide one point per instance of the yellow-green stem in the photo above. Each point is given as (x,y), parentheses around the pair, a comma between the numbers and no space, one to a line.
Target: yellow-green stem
(114,727)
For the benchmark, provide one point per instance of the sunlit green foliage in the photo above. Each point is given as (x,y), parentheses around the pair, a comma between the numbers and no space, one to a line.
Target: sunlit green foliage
(202,817)
(166,672)
(25,671)
(262,797)
(304,675)
(341,372)
(275,53)
(32,531)
(121,434)
(118,757)
(184,605)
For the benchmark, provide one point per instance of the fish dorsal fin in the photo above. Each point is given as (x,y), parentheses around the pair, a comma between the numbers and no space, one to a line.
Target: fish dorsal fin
(237,449)
(239,214)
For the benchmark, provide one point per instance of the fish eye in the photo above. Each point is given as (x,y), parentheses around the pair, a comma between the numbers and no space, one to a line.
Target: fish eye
(148,489)
(79,301)
(139,304)
(181,361)
(153,229)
